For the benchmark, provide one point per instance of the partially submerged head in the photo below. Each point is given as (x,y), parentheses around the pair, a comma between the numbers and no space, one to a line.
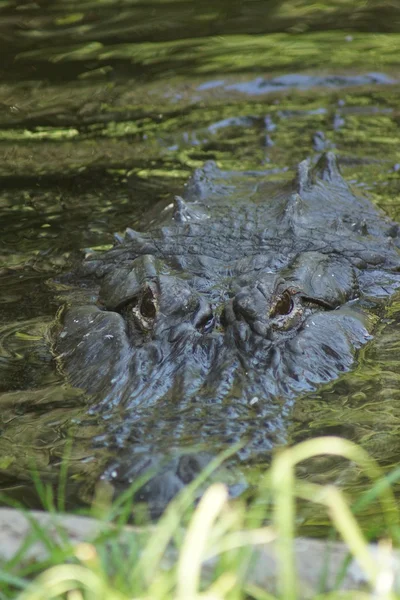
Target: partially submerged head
(246,292)
(200,332)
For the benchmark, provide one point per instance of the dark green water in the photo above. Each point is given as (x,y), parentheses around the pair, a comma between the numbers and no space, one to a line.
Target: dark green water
(106,107)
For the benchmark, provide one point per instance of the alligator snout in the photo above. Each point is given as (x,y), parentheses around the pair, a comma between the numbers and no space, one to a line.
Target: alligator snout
(252,306)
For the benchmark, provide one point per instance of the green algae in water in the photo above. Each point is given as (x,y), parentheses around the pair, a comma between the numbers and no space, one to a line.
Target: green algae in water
(98,131)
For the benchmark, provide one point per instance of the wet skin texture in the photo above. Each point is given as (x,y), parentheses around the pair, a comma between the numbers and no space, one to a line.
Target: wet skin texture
(242,293)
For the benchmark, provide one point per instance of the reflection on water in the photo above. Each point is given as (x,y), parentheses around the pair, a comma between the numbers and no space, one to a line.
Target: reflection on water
(105,109)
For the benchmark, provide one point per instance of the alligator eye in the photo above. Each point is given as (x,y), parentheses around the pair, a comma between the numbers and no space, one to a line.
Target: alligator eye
(139,311)
(283,305)
(148,305)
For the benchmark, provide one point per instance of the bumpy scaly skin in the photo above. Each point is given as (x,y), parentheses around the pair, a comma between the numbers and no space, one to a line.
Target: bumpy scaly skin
(244,294)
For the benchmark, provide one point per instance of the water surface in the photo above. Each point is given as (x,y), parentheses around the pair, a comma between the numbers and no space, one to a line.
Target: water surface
(106,107)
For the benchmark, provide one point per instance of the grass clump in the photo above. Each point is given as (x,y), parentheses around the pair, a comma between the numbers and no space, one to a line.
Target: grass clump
(215,551)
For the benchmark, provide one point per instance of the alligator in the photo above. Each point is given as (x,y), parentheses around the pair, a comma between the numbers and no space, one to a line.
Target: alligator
(240,296)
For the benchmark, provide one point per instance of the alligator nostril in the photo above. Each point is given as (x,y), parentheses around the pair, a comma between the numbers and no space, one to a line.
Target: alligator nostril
(204,319)
(243,306)
(206,323)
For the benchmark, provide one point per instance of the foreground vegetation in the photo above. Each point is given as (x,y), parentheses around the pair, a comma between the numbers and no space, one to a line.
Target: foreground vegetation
(206,553)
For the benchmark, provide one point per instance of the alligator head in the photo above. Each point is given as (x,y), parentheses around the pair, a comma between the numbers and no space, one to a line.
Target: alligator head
(241,293)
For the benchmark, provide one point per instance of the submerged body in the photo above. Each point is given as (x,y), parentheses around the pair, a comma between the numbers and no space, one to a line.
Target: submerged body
(242,295)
